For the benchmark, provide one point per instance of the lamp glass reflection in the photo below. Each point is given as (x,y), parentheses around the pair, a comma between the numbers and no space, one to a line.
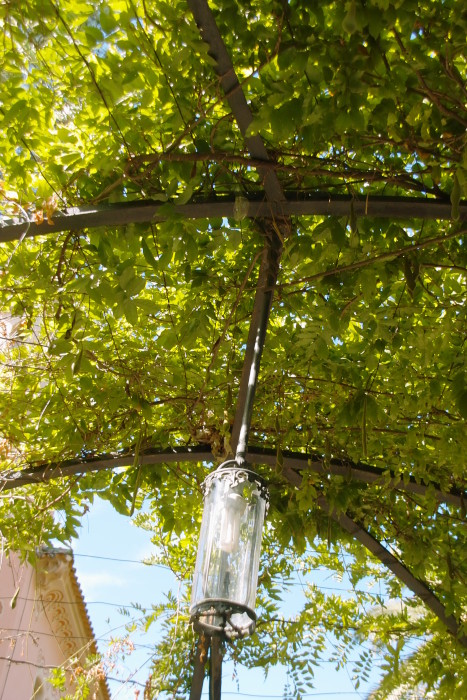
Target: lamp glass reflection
(226,572)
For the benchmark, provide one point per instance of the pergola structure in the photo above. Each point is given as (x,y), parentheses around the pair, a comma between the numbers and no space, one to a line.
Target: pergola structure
(274,211)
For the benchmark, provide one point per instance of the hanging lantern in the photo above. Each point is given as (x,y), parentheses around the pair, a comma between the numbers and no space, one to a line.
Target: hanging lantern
(226,573)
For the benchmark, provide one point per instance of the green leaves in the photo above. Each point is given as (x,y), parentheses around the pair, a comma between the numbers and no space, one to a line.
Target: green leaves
(350,22)
(141,330)
(459,390)
(149,257)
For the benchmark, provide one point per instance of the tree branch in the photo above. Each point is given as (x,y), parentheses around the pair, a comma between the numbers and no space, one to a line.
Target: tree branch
(376,258)
(426,89)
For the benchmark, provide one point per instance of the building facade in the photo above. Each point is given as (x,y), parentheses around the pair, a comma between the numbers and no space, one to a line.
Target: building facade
(44,625)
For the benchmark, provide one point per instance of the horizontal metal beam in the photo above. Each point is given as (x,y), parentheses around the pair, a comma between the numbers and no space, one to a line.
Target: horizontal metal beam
(122,214)
(294,465)
(95,463)
(296,204)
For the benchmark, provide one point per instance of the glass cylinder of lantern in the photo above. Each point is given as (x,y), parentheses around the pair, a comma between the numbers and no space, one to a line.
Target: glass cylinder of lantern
(226,572)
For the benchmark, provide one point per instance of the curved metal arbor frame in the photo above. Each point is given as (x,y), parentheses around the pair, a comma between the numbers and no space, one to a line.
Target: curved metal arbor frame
(273,213)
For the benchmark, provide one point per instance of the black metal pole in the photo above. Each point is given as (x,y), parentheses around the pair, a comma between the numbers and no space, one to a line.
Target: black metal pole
(215,675)
(253,378)
(262,305)
(198,670)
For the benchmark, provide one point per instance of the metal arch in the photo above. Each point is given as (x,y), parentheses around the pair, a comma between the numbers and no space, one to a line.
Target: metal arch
(275,196)
(295,204)
(417,586)
(267,280)
(294,465)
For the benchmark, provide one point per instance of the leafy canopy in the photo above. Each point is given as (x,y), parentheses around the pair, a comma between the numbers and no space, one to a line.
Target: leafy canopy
(135,335)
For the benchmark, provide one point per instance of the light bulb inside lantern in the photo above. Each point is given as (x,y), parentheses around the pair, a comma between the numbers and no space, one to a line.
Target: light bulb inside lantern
(232,513)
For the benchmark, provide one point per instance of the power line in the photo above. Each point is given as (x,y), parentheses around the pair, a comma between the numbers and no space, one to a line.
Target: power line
(47,603)
(286,584)
(303,695)
(126,561)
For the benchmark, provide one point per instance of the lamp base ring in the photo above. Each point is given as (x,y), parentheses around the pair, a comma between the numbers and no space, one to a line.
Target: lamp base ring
(213,616)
